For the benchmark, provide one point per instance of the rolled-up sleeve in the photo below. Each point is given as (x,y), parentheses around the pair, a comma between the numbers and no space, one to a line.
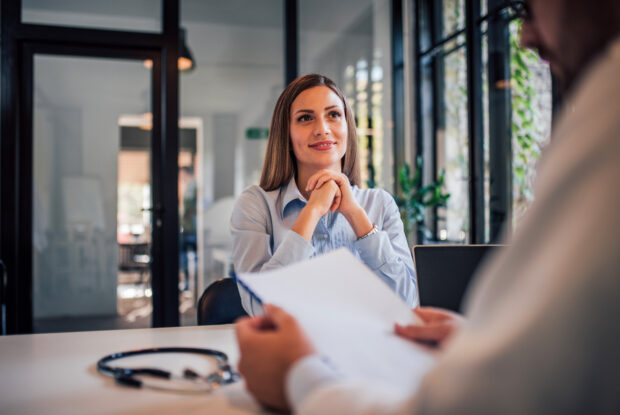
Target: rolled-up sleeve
(387,252)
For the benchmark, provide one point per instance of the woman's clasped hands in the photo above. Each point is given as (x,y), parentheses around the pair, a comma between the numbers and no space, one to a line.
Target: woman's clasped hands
(325,198)
(344,203)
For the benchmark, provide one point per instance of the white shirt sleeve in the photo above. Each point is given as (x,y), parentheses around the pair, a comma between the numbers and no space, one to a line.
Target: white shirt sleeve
(251,245)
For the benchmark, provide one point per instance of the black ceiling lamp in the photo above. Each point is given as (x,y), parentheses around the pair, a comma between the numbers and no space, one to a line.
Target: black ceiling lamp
(186,62)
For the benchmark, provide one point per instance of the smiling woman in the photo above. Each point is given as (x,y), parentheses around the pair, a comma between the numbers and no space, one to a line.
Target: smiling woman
(308,202)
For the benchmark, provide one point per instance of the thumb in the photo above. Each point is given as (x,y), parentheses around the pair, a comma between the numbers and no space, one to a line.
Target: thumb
(243,328)
(278,316)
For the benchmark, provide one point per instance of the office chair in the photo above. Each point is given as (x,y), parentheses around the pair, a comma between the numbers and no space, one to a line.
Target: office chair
(135,258)
(220,303)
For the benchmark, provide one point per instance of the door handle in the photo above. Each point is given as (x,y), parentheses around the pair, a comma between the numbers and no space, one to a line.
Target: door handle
(154,209)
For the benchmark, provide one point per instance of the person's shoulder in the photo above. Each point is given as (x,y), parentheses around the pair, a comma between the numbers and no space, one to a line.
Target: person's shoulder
(255,194)
(253,202)
(375,193)
(373,196)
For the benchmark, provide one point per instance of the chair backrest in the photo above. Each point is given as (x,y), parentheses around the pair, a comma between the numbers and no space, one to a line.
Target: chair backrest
(220,303)
(134,257)
(445,271)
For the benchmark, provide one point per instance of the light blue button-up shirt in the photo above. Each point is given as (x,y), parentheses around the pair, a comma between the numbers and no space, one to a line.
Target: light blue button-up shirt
(262,237)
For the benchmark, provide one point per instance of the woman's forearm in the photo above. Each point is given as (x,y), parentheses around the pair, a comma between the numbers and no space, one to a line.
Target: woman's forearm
(306,222)
(358,219)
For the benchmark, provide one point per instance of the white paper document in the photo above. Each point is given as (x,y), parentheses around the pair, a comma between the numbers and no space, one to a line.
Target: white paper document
(349,314)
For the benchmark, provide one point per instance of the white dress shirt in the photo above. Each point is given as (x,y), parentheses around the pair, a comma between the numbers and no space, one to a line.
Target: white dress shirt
(542,335)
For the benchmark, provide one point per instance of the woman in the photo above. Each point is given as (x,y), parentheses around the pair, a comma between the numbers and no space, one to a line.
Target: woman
(308,202)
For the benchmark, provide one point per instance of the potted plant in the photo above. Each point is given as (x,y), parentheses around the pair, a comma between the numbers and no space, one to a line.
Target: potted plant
(414,199)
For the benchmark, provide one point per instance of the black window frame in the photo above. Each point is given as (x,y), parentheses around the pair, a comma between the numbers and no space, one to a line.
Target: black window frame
(494,26)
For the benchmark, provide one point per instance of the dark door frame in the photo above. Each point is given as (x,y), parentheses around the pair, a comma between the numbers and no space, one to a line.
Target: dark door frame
(20,42)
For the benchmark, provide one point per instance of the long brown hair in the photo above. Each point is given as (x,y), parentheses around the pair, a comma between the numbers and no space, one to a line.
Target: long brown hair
(280,163)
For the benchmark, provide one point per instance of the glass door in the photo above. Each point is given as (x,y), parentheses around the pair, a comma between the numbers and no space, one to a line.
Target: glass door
(92,193)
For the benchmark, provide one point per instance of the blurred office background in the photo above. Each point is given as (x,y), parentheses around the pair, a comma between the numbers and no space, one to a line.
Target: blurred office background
(119,170)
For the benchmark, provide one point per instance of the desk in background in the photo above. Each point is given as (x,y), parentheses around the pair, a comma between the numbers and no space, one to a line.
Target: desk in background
(56,374)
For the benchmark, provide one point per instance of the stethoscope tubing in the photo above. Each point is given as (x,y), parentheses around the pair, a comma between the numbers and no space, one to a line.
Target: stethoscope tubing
(125,376)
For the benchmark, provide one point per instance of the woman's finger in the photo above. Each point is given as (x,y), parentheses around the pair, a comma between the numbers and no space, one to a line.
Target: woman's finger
(313,180)
(311,185)
(318,179)
(336,202)
(321,181)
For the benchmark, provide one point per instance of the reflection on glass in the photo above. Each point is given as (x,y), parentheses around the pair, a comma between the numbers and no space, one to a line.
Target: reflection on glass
(226,103)
(452,147)
(91,255)
(134,15)
(486,138)
(349,41)
(134,219)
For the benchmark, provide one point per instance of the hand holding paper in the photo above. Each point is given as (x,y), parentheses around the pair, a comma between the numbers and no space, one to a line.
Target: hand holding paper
(269,346)
(349,315)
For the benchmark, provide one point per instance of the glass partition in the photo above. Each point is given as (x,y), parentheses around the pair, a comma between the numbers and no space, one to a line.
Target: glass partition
(226,104)
(134,15)
(350,42)
(91,194)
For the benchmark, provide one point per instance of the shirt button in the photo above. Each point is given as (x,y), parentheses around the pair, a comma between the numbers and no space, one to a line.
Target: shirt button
(325,236)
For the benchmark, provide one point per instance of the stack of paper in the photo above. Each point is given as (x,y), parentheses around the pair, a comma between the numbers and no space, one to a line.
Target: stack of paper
(349,314)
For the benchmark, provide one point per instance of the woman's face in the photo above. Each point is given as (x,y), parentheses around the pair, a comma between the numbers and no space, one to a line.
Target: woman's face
(318,129)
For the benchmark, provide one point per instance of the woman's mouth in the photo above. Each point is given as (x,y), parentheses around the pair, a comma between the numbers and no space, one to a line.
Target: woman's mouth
(323,145)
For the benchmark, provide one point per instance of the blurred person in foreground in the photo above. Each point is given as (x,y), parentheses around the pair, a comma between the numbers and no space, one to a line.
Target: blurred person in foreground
(539,333)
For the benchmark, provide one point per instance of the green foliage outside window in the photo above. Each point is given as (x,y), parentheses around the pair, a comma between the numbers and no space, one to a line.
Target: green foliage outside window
(414,199)
(531,119)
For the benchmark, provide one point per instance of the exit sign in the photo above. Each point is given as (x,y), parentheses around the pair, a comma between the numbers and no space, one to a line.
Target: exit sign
(257,133)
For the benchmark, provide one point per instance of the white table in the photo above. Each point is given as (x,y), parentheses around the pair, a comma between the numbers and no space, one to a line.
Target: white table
(56,374)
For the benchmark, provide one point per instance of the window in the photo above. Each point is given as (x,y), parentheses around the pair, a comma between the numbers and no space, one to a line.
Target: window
(483,111)
(349,41)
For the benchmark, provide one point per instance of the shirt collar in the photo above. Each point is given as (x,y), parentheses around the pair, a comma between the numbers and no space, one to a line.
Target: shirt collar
(291,194)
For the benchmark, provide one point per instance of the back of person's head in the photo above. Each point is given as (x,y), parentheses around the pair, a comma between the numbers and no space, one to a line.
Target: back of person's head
(280,164)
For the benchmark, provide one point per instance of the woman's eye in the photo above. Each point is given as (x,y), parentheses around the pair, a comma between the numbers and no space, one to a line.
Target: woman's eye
(335,114)
(303,118)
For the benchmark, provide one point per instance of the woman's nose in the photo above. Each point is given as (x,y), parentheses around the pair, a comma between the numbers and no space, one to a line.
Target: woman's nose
(321,127)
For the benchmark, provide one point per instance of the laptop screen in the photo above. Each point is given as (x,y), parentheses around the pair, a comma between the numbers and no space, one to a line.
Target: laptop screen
(445,271)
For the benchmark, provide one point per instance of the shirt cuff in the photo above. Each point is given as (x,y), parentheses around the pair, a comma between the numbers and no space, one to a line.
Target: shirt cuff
(375,250)
(294,248)
(308,374)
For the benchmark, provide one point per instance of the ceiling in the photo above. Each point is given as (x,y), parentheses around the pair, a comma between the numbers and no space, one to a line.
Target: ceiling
(314,14)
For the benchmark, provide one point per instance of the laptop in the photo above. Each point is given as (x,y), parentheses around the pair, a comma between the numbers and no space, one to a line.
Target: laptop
(445,271)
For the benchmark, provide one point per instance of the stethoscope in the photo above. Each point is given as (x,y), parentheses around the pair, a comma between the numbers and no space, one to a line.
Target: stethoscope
(223,374)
